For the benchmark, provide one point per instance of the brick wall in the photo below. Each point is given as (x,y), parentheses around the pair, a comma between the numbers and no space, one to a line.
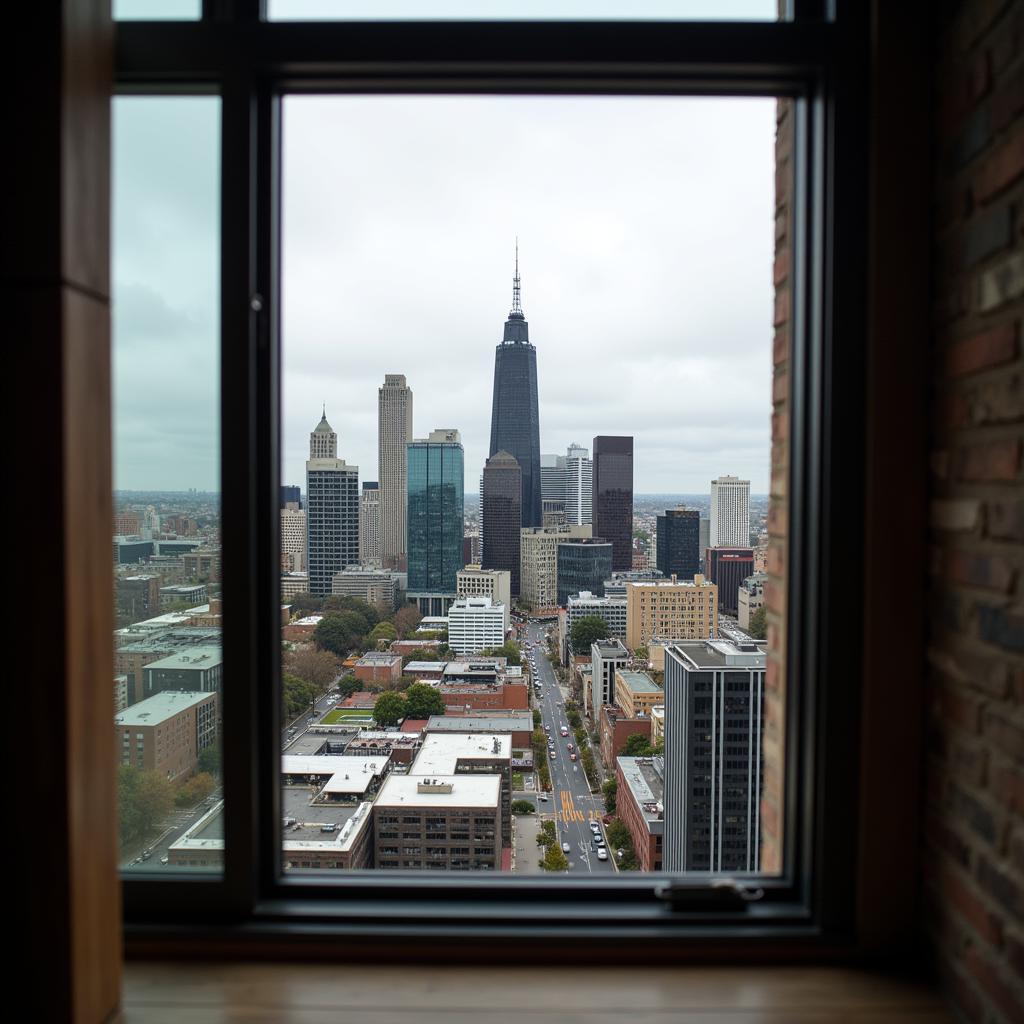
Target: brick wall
(974,840)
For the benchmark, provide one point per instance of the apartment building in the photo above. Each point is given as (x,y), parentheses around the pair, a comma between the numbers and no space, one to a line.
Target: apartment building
(681,609)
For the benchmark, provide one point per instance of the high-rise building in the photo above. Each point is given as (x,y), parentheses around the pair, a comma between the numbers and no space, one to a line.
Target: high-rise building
(552,480)
(435,518)
(679,543)
(714,700)
(728,568)
(474,581)
(704,538)
(475,624)
(293,538)
(291,495)
(606,658)
(515,420)
(501,513)
(583,565)
(730,513)
(370,523)
(613,497)
(671,609)
(394,432)
(579,486)
(332,510)
(539,562)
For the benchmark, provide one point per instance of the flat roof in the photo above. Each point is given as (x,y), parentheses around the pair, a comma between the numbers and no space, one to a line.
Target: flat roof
(638,682)
(611,648)
(712,654)
(307,620)
(413,667)
(441,751)
(467,791)
(199,656)
(160,707)
(647,788)
(379,657)
(520,722)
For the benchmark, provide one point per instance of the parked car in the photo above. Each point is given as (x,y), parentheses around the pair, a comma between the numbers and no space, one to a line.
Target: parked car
(602,854)
(566,848)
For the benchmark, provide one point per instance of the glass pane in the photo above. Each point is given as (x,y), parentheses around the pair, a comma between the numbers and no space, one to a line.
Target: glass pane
(166,531)
(526,609)
(523,10)
(157,10)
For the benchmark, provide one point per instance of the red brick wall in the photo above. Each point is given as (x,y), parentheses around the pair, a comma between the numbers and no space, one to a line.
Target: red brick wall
(974,842)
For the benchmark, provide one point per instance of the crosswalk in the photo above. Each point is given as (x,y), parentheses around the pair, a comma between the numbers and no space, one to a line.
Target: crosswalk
(570,812)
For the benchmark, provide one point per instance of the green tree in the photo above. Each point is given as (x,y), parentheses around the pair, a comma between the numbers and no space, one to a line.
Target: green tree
(303,604)
(610,790)
(758,628)
(333,633)
(642,654)
(618,834)
(199,787)
(209,759)
(389,709)
(637,745)
(586,631)
(145,799)
(316,667)
(508,650)
(523,807)
(296,695)
(544,775)
(538,718)
(422,700)
(554,859)
(368,615)
(383,631)
(539,741)
(573,717)
(546,834)
(422,654)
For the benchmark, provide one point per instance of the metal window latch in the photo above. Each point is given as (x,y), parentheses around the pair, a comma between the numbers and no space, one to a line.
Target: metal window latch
(722,893)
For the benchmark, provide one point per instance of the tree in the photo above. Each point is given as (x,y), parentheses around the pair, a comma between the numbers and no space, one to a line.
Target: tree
(523,807)
(316,667)
(573,718)
(618,834)
(538,718)
(642,654)
(303,604)
(539,741)
(383,631)
(422,700)
(334,634)
(349,685)
(610,790)
(144,800)
(296,695)
(406,619)
(758,627)
(508,650)
(389,709)
(586,631)
(554,859)
(546,833)
(209,759)
(637,745)
(422,654)
(368,615)
(199,787)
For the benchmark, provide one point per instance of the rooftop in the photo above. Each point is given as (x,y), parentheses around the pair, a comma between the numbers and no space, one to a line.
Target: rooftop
(643,776)
(159,708)
(441,751)
(203,657)
(308,620)
(638,682)
(465,791)
(710,654)
(379,658)
(610,649)
(346,774)
(518,722)
(417,667)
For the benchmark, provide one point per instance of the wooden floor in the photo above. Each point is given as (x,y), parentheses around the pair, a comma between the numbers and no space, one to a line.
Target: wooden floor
(168,993)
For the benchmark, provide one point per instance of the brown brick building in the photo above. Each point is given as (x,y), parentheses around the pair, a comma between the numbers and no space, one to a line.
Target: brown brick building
(166,733)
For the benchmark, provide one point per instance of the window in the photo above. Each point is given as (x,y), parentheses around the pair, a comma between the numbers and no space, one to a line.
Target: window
(802,61)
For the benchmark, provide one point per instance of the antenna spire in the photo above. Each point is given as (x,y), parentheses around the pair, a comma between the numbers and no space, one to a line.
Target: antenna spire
(517,307)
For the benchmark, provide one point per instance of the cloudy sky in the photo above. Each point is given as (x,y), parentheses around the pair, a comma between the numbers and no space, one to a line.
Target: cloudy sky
(645,239)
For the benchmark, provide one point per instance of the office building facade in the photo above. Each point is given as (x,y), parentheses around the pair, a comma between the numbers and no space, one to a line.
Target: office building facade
(606,658)
(730,513)
(672,609)
(291,495)
(475,581)
(293,538)
(583,565)
(501,515)
(539,562)
(579,486)
(728,568)
(475,624)
(678,543)
(435,519)
(714,700)
(332,510)
(394,432)
(612,497)
(515,418)
(370,551)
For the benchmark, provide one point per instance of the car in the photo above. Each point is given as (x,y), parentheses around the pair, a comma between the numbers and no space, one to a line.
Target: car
(569,747)
(595,828)
(566,848)
(602,854)
(564,730)
(553,755)
(597,841)
(146,854)
(572,757)
(328,827)
(547,728)
(164,860)
(543,798)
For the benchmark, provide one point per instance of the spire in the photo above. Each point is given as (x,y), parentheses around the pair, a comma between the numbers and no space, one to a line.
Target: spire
(516,312)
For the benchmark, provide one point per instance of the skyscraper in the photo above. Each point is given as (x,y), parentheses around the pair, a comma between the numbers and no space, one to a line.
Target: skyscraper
(613,497)
(394,432)
(579,486)
(515,420)
(502,512)
(730,513)
(552,483)
(435,516)
(369,523)
(332,509)
(714,698)
(679,543)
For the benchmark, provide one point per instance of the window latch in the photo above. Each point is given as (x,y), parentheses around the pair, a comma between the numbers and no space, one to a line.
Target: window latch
(722,893)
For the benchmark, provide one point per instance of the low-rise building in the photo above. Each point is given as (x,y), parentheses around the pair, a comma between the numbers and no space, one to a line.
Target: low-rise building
(606,657)
(517,724)
(681,609)
(639,805)
(658,724)
(428,671)
(195,670)
(138,596)
(636,693)
(615,728)
(293,583)
(336,779)
(135,650)
(202,564)
(381,667)
(398,745)
(407,647)
(301,630)
(376,587)
(749,598)
(475,624)
(192,594)
(166,733)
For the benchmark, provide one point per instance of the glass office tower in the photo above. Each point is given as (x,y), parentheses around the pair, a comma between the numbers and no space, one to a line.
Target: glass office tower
(613,497)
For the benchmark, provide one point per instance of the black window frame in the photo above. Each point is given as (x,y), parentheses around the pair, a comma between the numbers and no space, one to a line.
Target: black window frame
(818,57)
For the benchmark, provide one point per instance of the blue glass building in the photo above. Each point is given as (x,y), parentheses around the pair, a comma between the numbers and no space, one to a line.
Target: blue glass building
(435,519)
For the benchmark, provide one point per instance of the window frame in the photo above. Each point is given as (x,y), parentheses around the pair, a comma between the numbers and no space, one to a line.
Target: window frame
(820,63)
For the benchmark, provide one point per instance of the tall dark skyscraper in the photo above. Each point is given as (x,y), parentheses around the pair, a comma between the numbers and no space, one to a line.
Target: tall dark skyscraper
(613,497)
(515,420)
(502,512)
(679,543)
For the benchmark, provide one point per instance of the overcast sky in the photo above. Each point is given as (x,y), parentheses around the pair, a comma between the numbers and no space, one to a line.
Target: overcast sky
(645,238)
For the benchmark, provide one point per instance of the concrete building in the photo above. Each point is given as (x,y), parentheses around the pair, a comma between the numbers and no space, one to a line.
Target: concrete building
(202,564)
(640,806)
(582,566)
(191,594)
(614,728)
(293,539)
(138,596)
(681,609)
(473,581)
(678,543)
(332,510)
(727,568)
(336,779)
(134,652)
(374,586)
(394,432)
(436,518)
(370,524)
(585,604)
(475,624)
(657,723)
(293,583)
(126,524)
(730,513)
(517,724)
(613,497)
(195,670)
(749,598)
(291,496)
(501,516)
(579,486)
(538,559)
(379,667)
(131,550)
(165,733)
(636,693)
(438,823)
(606,657)
(714,700)
(552,483)
(616,585)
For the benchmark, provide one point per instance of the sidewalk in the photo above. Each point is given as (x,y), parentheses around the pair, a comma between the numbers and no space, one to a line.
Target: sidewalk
(525,851)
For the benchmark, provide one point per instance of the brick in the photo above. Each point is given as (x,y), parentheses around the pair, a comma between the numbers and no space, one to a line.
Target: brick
(780,229)
(994,461)
(1002,284)
(1005,520)
(993,984)
(991,572)
(780,347)
(973,138)
(956,515)
(995,400)
(941,836)
(950,412)
(978,817)
(780,387)
(1008,100)
(953,707)
(988,233)
(983,351)
(1001,169)
(780,426)
(1001,627)
(1007,782)
(781,307)
(1007,44)
(1005,890)
(1004,734)
(971,907)
(780,270)
(951,303)
(778,520)
(963,994)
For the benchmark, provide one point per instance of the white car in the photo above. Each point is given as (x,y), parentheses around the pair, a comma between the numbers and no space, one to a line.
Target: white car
(602,854)
(566,848)
(595,828)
